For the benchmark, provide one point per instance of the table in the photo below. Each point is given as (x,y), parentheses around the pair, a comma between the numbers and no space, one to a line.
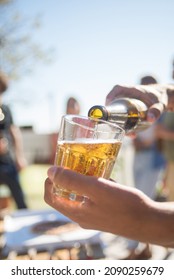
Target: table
(84,248)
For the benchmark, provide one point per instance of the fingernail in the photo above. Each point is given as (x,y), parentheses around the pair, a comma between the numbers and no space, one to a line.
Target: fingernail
(51,172)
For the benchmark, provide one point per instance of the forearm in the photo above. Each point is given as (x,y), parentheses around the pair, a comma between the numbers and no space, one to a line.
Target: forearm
(148,221)
(18,146)
(161,223)
(17,140)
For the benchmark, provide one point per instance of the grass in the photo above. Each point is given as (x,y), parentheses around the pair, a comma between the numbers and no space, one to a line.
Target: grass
(33,177)
(32,180)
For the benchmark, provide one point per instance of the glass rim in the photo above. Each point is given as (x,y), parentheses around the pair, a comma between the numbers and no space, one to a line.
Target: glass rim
(70,116)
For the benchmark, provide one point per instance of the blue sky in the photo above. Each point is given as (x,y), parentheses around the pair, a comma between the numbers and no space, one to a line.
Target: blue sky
(98,43)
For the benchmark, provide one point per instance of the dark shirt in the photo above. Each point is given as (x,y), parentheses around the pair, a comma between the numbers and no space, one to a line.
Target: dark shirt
(5,124)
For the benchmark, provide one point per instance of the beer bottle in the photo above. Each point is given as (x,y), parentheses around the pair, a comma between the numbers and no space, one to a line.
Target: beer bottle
(128,113)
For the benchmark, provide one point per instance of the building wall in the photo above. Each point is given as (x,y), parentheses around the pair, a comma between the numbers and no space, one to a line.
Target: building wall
(37,147)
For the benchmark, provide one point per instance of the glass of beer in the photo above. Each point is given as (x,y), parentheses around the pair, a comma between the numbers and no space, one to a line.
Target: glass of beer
(88,146)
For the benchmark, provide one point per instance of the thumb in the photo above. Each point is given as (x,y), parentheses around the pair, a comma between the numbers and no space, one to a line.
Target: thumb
(71,180)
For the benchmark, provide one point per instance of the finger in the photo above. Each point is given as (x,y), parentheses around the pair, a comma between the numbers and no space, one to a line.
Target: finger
(155,112)
(71,209)
(116,92)
(73,181)
(138,92)
(48,192)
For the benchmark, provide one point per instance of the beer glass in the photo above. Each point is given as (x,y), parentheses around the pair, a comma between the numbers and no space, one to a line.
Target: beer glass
(88,146)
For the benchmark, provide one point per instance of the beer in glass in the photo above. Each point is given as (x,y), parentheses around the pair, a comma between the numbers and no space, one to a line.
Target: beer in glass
(87,146)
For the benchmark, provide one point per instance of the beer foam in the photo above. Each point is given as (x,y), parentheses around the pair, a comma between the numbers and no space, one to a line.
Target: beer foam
(89,140)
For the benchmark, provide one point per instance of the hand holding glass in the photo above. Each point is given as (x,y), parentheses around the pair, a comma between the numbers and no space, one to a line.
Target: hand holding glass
(88,146)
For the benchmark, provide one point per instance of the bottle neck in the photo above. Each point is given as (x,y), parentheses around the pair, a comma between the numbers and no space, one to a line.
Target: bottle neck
(98,112)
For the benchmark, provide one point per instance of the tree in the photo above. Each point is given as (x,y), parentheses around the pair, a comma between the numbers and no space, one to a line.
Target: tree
(18,51)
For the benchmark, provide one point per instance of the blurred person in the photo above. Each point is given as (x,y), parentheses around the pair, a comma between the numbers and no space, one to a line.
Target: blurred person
(72,106)
(165,132)
(115,208)
(148,165)
(10,138)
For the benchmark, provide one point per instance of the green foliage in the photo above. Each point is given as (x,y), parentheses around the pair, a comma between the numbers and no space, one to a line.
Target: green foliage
(19,51)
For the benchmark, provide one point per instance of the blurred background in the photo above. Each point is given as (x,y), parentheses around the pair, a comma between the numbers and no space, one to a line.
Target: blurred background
(55,49)
(52,50)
